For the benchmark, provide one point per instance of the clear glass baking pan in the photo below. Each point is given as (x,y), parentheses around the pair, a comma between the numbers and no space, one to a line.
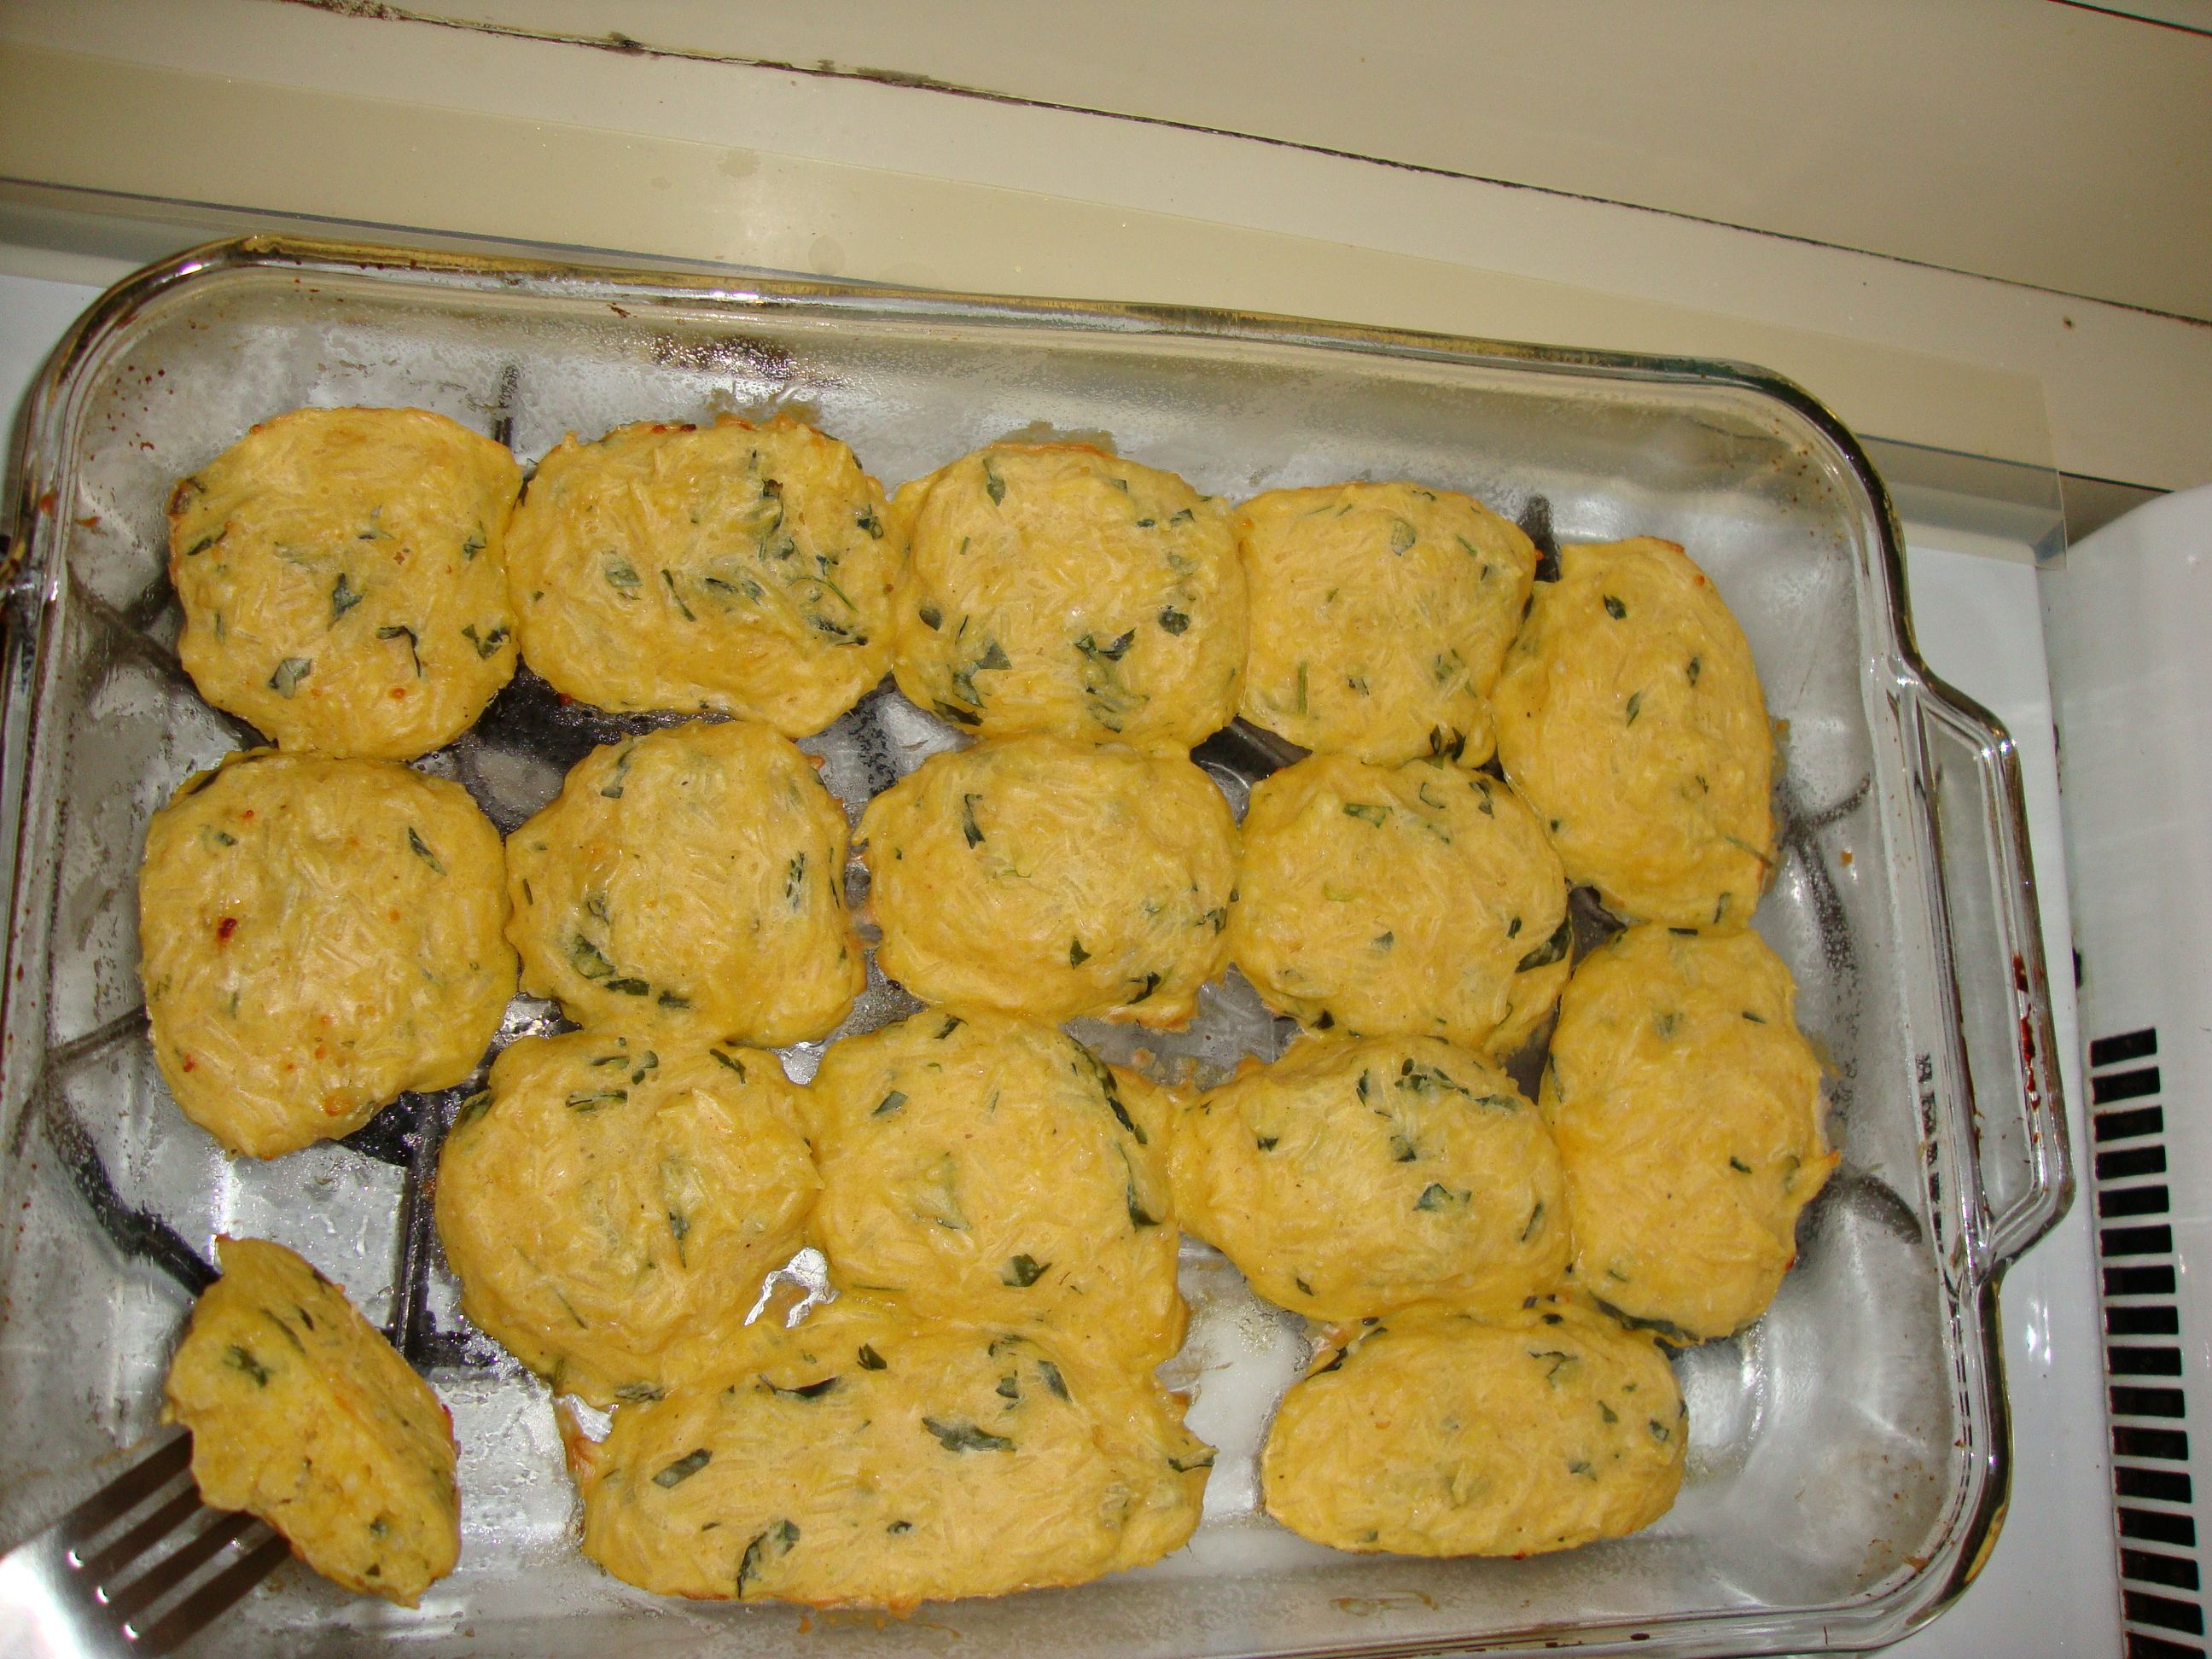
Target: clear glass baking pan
(1848,1469)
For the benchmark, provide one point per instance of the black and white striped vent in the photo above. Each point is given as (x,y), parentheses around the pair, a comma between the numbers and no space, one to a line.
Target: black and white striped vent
(2159,1587)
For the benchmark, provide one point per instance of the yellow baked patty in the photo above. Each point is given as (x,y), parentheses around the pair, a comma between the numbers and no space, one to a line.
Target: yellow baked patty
(611,1203)
(690,879)
(742,569)
(873,1460)
(302,1414)
(1054,587)
(1630,717)
(987,1168)
(1381,613)
(1416,900)
(1353,1178)
(1439,1434)
(1687,1106)
(343,579)
(317,936)
(1048,878)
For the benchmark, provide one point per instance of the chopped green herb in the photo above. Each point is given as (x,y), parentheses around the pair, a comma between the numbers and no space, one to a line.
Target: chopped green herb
(1615,608)
(394,631)
(673,999)
(952,1022)
(474,545)
(794,880)
(1553,950)
(1739,1166)
(344,596)
(1301,689)
(240,1360)
(421,849)
(1385,941)
(630,988)
(959,716)
(486,645)
(471,1109)
(993,485)
(1218,916)
(1402,536)
(1053,1379)
(588,959)
(965,1437)
(869,1360)
(1754,1018)
(668,581)
(1023,1270)
(1635,706)
(1364,811)
(737,1066)
(1305,1289)
(1197,1461)
(1659,1431)
(622,577)
(766,1547)
(289,672)
(1150,983)
(1437,1196)
(1607,1413)
(1401,1150)
(866,518)
(890,1103)
(1536,1220)
(1444,744)
(1077,955)
(804,1390)
(205,543)
(1113,651)
(684,1468)
(1172,620)
(1697,667)
(1266,1143)
(968,825)
(932,617)
(612,788)
(590,1100)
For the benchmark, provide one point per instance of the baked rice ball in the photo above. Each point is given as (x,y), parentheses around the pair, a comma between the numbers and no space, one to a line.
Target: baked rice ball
(1047,877)
(1056,588)
(739,568)
(869,1458)
(300,1412)
(611,1203)
(1687,1105)
(1418,900)
(318,936)
(986,1168)
(1630,717)
(690,879)
(343,581)
(1433,1433)
(1381,613)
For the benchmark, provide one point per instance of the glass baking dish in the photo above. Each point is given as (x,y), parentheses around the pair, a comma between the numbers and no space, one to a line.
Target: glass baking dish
(1848,1467)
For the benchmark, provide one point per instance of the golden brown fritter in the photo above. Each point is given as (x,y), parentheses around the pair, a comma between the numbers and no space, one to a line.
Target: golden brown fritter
(318,936)
(986,1167)
(1687,1110)
(610,1204)
(1440,1434)
(691,879)
(1054,587)
(741,568)
(343,581)
(1351,1178)
(867,1459)
(1629,716)
(1381,613)
(302,1414)
(1048,878)
(1418,900)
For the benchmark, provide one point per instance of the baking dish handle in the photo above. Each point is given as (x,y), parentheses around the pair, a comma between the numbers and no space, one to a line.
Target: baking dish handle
(1992,953)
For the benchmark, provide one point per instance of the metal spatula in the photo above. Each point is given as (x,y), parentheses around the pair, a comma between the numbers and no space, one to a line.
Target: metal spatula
(137,1568)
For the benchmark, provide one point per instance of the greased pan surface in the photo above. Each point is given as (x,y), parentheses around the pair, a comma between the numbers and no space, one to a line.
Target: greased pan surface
(1848,1464)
